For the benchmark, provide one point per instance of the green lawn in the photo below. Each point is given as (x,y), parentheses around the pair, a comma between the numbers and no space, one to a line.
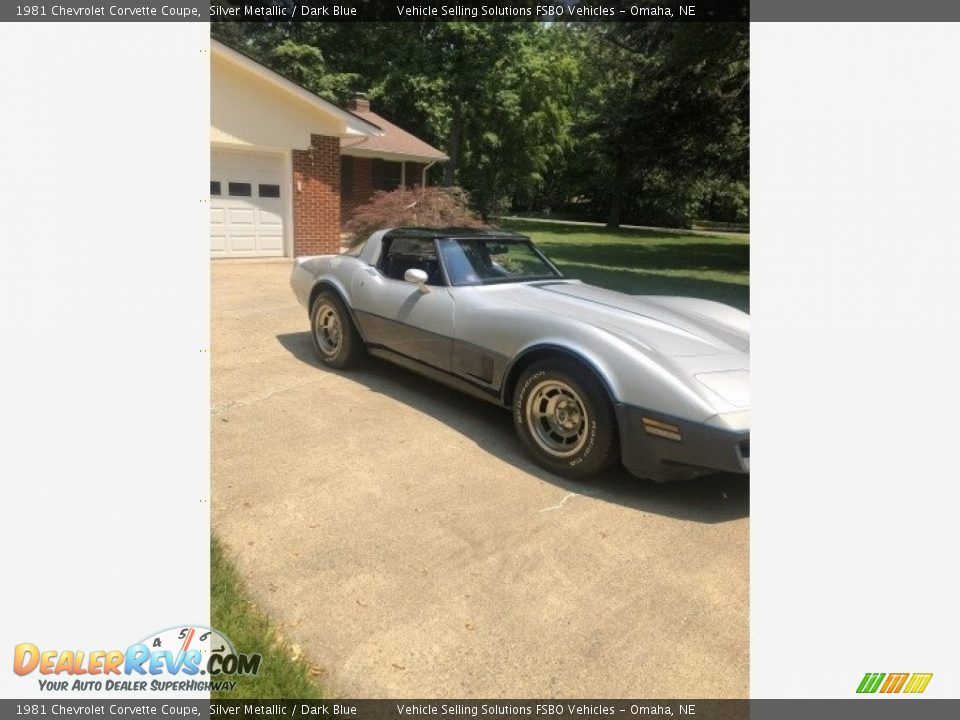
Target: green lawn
(283,673)
(643,262)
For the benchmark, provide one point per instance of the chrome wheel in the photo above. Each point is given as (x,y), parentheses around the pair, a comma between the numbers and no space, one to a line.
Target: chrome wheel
(557,418)
(328,330)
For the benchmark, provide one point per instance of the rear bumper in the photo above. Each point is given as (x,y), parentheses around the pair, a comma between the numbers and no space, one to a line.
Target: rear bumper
(700,449)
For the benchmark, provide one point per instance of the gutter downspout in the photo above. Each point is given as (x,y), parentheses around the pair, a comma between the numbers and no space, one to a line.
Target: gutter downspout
(423,175)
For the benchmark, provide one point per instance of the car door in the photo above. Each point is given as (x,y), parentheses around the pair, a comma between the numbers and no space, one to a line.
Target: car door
(400,316)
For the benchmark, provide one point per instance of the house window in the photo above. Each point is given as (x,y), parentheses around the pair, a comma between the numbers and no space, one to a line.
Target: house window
(214,187)
(269,191)
(346,177)
(239,189)
(390,175)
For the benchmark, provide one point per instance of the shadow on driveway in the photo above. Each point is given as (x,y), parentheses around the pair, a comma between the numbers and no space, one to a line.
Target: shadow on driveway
(712,499)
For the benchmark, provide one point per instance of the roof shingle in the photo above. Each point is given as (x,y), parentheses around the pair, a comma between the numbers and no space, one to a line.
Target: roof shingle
(394,141)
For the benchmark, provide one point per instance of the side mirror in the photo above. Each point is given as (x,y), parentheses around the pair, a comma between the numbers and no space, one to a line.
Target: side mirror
(418,278)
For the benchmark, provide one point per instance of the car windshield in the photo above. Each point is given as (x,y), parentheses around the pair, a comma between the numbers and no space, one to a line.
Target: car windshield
(484,261)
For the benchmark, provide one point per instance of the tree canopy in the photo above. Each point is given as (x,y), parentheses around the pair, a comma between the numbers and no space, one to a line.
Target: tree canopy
(628,122)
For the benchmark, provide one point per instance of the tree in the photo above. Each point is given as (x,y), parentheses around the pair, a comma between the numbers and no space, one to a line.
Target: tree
(667,120)
(643,122)
(520,126)
(431,207)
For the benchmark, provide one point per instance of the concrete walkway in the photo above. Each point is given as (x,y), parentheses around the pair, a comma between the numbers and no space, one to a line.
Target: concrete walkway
(400,537)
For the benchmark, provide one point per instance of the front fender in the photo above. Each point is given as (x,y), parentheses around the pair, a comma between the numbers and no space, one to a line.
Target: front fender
(630,375)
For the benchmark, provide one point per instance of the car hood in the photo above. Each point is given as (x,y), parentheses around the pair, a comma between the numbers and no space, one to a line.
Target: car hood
(671,326)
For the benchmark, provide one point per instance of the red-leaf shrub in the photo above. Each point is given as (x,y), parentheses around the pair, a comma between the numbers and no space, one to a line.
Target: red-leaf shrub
(428,207)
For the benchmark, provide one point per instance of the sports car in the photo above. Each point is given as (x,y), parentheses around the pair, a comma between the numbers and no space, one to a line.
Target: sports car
(592,376)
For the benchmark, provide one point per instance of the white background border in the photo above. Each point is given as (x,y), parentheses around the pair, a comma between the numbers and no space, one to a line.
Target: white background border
(855,301)
(104,289)
(104,165)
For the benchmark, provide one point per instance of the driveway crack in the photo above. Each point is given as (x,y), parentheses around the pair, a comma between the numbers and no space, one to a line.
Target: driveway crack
(220,408)
(566,498)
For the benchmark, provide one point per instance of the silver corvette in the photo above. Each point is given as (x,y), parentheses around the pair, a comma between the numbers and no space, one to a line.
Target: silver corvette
(593,376)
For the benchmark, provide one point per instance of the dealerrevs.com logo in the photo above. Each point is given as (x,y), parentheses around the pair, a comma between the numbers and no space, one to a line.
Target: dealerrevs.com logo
(178,659)
(910,683)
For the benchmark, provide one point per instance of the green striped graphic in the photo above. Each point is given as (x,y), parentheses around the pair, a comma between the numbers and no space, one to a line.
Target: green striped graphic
(870,682)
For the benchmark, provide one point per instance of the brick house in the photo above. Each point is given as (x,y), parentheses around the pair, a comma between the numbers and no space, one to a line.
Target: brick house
(287,165)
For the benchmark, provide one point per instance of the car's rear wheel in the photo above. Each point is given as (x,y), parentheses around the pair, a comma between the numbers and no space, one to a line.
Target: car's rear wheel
(565,419)
(335,338)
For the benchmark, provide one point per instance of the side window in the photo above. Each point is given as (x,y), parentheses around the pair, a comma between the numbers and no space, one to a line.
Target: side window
(387,175)
(402,254)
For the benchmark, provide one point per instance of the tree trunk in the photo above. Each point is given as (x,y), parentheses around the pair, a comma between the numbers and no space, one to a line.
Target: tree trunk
(616,194)
(621,165)
(613,219)
(453,147)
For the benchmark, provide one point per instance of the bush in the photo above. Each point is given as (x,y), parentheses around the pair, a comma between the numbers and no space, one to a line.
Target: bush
(728,203)
(429,207)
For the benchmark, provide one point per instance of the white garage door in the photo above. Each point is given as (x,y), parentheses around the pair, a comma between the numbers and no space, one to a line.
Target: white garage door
(246,204)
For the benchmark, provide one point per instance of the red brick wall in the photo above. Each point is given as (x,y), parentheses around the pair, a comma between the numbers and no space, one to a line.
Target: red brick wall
(316,197)
(362,186)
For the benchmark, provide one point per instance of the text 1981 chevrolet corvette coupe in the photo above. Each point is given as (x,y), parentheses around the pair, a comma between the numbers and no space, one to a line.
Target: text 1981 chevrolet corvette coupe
(593,376)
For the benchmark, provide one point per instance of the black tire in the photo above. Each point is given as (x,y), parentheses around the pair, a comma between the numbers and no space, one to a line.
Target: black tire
(565,419)
(335,337)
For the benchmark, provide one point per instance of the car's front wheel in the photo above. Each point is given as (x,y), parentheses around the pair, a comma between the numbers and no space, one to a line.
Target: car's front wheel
(335,338)
(565,419)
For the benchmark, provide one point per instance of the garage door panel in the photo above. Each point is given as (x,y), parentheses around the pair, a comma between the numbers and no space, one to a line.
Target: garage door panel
(271,244)
(242,243)
(269,219)
(241,216)
(242,224)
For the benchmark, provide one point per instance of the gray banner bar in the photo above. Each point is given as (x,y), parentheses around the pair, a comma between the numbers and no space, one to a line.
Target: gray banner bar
(873,708)
(358,10)
(854,10)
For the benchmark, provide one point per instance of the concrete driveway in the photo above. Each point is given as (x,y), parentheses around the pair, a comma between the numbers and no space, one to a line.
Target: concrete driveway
(398,534)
